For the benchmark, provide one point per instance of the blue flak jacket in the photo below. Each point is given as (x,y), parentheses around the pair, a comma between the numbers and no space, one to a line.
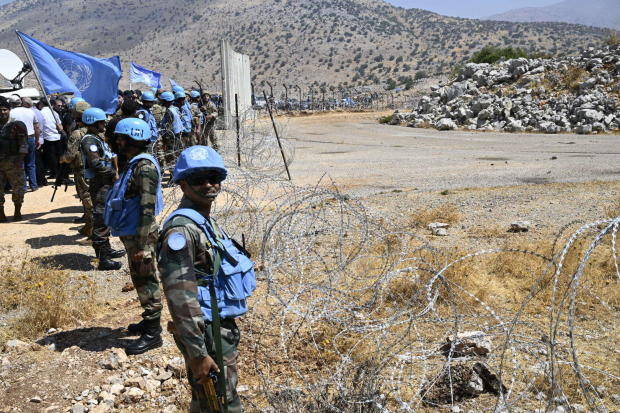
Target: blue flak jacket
(148,117)
(89,173)
(122,215)
(235,280)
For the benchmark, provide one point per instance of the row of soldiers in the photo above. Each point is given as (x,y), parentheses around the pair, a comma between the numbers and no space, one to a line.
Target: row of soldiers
(206,276)
(175,122)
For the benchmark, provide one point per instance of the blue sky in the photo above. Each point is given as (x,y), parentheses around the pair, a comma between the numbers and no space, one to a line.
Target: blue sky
(470,8)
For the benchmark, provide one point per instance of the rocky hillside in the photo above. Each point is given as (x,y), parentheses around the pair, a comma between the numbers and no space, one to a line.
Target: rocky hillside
(335,42)
(575,94)
(598,13)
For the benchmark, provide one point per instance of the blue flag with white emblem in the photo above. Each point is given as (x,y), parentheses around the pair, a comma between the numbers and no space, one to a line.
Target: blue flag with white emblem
(138,74)
(91,78)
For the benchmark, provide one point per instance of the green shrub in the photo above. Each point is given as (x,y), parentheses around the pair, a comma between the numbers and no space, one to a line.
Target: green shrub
(386,119)
(491,54)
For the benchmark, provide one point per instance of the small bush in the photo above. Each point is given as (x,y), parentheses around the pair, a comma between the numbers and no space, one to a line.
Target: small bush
(613,39)
(490,54)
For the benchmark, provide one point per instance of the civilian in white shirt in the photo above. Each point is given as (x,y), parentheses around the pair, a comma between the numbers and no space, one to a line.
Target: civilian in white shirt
(52,148)
(26,115)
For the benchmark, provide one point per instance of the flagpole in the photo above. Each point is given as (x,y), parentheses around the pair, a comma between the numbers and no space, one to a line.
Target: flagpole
(35,69)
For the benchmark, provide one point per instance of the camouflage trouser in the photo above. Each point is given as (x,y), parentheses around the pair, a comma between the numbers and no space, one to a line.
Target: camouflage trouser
(12,171)
(230,341)
(158,152)
(101,232)
(81,187)
(144,275)
(189,139)
(210,136)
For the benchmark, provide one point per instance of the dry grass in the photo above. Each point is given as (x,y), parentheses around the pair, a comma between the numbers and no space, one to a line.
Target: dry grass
(446,213)
(42,298)
(573,77)
(613,210)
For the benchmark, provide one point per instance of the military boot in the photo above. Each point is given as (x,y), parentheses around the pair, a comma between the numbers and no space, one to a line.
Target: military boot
(86,230)
(137,329)
(18,213)
(105,261)
(2,216)
(112,253)
(148,340)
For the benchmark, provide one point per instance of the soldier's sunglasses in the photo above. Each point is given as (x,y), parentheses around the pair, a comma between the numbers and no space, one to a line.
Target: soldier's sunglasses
(211,177)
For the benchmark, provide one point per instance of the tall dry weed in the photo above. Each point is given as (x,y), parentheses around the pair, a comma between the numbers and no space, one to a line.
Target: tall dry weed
(41,298)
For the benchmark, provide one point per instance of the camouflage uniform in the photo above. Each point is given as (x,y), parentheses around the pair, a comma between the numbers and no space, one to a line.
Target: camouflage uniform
(99,185)
(192,333)
(158,112)
(209,128)
(198,123)
(143,183)
(73,157)
(13,149)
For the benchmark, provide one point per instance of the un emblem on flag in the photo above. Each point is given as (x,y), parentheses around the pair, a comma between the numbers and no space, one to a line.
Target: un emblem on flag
(80,73)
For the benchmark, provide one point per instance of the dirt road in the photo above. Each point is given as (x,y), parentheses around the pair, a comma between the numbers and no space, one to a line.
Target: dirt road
(357,151)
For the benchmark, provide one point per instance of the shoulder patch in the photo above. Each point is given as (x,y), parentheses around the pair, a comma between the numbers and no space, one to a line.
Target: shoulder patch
(176,241)
(93,148)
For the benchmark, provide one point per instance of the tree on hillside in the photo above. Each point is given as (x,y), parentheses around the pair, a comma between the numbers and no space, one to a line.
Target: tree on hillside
(492,54)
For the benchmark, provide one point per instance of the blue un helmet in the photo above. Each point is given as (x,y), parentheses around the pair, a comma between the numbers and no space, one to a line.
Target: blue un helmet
(74,101)
(148,97)
(179,95)
(93,115)
(198,159)
(177,89)
(167,96)
(135,128)
(194,93)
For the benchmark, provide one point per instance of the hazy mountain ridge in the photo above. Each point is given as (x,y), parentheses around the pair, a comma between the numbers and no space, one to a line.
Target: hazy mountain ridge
(597,13)
(344,42)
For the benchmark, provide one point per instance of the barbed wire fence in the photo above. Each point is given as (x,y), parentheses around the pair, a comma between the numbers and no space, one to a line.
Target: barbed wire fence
(356,315)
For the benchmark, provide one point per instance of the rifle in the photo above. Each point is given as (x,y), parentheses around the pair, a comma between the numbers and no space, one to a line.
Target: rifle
(214,399)
(61,177)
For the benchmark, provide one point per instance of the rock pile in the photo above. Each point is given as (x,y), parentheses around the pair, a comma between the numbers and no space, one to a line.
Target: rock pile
(134,384)
(573,94)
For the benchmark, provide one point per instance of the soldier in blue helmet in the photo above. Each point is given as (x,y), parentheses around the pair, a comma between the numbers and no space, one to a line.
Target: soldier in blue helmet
(146,114)
(207,278)
(97,159)
(131,207)
(171,126)
(180,102)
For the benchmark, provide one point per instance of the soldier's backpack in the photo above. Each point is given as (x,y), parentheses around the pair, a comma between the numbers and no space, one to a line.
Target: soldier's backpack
(9,138)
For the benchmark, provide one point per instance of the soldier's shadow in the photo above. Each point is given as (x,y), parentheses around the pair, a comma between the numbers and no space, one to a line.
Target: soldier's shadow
(94,339)
(69,261)
(38,217)
(52,241)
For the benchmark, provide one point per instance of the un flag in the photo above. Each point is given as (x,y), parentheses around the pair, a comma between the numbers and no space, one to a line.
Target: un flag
(93,79)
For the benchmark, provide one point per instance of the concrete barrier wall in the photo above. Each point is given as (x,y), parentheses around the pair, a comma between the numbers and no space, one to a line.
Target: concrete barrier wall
(236,79)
